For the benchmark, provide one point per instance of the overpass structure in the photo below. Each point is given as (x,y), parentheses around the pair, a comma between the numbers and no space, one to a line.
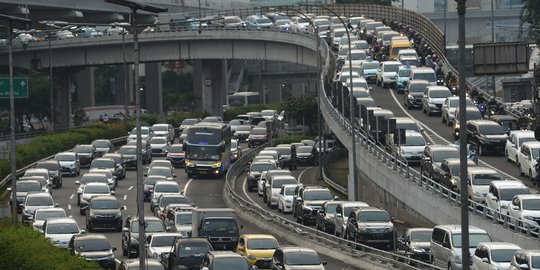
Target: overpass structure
(399,188)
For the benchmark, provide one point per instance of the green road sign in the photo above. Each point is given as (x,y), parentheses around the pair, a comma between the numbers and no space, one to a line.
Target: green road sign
(20,87)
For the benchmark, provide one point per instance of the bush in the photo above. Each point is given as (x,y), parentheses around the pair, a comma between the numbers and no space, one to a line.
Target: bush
(290,139)
(24,248)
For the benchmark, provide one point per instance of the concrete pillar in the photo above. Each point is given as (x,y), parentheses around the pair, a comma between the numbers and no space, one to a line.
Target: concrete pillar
(209,79)
(350,181)
(84,81)
(119,79)
(153,88)
(62,100)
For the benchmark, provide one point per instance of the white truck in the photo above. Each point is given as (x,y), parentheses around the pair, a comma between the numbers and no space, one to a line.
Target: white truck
(218,225)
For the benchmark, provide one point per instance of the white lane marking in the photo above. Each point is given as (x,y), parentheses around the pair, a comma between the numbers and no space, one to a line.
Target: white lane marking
(187,186)
(445,140)
(125,197)
(302,173)
(244,190)
(71,197)
(69,206)
(130,188)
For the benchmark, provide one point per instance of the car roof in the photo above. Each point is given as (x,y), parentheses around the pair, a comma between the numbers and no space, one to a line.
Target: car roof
(104,197)
(441,147)
(149,262)
(532,144)
(528,196)
(457,228)
(296,249)
(354,203)
(416,81)
(224,254)
(95,236)
(499,245)
(523,133)
(61,220)
(278,177)
(38,194)
(508,183)
(481,169)
(483,122)
(257,236)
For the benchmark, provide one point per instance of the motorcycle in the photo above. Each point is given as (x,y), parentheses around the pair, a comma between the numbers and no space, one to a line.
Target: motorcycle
(440,80)
(483,108)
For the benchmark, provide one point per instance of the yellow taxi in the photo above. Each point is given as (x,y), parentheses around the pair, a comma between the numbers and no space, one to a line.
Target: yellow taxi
(258,249)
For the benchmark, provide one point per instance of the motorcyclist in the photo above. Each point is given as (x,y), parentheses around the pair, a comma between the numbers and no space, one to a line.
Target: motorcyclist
(536,179)
(493,106)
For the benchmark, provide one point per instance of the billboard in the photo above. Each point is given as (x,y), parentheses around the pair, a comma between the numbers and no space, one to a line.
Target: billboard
(501,58)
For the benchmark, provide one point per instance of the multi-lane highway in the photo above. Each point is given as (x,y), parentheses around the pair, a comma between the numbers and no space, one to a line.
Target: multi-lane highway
(204,193)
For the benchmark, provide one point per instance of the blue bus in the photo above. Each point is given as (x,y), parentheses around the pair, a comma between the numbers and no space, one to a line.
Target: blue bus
(208,149)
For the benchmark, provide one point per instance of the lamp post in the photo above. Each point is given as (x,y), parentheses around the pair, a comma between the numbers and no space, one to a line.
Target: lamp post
(351,107)
(317,85)
(465,254)
(124,64)
(134,6)
(10,19)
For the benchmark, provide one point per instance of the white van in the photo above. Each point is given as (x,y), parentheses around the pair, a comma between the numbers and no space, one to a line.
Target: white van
(445,245)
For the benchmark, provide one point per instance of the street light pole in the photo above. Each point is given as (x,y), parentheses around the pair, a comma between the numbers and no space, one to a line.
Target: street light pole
(51,94)
(465,254)
(355,194)
(123,33)
(10,20)
(134,6)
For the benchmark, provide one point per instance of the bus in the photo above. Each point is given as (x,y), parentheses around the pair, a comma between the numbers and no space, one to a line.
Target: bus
(208,149)
(243,99)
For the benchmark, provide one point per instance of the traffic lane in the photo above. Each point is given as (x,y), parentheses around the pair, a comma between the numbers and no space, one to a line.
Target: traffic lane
(385,99)
(241,189)
(126,193)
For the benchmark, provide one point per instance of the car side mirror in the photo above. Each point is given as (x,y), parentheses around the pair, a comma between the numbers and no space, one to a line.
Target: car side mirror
(113,192)
(324,262)
(113,248)
(174,175)
(77,182)
(515,207)
(123,208)
(254,267)
(523,266)
(299,199)
(8,189)
(338,214)
(83,231)
(145,174)
(168,228)
(485,260)
(56,205)
(336,198)
(125,230)
(446,245)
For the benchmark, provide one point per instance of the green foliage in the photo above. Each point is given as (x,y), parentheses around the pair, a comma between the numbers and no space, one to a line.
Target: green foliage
(79,116)
(5,168)
(24,248)
(104,79)
(303,109)
(176,118)
(151,119)
(530,14)
(290,139)
(374,2)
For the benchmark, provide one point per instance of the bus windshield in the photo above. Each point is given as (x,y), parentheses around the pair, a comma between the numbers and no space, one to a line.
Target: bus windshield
(204,135)
(203,152)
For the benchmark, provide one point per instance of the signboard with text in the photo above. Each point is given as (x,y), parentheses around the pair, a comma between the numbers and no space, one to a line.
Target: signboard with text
(20,87)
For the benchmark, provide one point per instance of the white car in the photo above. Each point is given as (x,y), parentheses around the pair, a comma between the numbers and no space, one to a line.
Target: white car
(36,201)
(449,108)
(479,178)
(161,163)
(286,197)
(433,98)
(501,193)
(159,146)
(343,210)
(387,73)
(269,115)
(527,158)
(164,130)
(514,142)
(60,231)
(525,209)
(274,186)
(158,243)
(91,190)
(40,215)
(69,161)
(111,179)
(146,134)
(493,255)
(163,187)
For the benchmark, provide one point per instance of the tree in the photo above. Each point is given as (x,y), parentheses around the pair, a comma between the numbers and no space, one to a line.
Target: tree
(374,2)
(530,14)
(303,109)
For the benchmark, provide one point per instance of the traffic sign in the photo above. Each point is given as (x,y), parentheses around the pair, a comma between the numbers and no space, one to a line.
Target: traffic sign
(20,87)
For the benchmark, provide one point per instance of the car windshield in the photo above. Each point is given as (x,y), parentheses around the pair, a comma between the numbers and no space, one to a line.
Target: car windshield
(331,208)
(184,218)
(225,263)
(304,149)
(262,167)
(43,215)
(29,186)
(127,150)
(407,126)
(243,128)
(525,139)
(421,236)
(472,115)
(234,144)
(189,122)
(89,245)
(39,201)
(175,149)
(83,149)
(531,204)
(235,122)
(231,20)
(221,225)
(315,195)
(484,179)
(64,157)
(491,130)
(277,183)
(160,128)
(101,144)
(454,103)
(37,173)
(302,258)
(474,239)
(439,93)
(284,150)
(158,140)
(93,178)
(262,243)
(151,226)
(535,153)
(144,131)
(103,163)
(163,171)
(173,200)
(370,65)
(289,191)
(48,165)
(535,261)
(404,72)
(62,228)
(358,56)
(507,194)
(439,156)
(205,135)
(101,189)
(455,169)
(414,141)
(163,240)
(417,88)
(167,188)
(190,249)
(391,68)
(263,20)
(502,255)
(373,216)
(104,204)
(258,131)
(152,180)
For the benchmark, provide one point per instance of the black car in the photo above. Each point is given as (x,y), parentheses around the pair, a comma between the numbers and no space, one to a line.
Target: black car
(120,164)
(129,152)
(130,234)
(448,175)
(433,156)
(255,171)
(86,152)
(187,253)
(371,226)
(307,156)
(487,135)
(149,183)
(146,151)
(307,202)
(415,243)
(104,212)
(55,171)
(224,260)
(324,220)
(94,247)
